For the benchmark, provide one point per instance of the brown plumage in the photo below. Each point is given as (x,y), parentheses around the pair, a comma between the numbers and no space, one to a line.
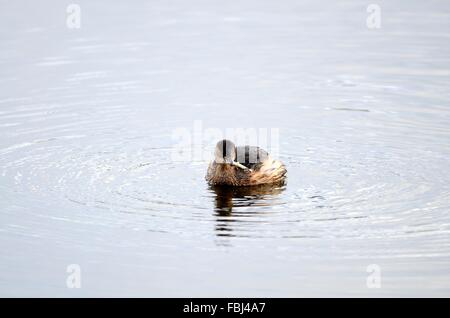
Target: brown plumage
(243,166)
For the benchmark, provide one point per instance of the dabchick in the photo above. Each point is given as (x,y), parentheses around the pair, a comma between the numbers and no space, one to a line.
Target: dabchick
(243,166)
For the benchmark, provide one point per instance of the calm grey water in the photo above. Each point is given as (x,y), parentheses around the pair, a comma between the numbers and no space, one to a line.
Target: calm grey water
(87,118)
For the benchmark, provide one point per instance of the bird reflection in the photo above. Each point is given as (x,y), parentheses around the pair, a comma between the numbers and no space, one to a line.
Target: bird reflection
(229,198)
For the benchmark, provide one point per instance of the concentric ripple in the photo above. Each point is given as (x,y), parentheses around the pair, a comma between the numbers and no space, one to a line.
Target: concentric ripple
(349,188)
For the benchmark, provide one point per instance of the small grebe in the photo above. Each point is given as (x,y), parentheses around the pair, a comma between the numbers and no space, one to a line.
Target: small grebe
(243,166)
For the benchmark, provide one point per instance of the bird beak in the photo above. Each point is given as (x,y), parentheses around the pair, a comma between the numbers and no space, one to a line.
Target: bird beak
(237,164)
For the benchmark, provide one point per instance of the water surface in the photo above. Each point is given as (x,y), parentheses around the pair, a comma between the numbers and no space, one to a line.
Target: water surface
(87,118)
